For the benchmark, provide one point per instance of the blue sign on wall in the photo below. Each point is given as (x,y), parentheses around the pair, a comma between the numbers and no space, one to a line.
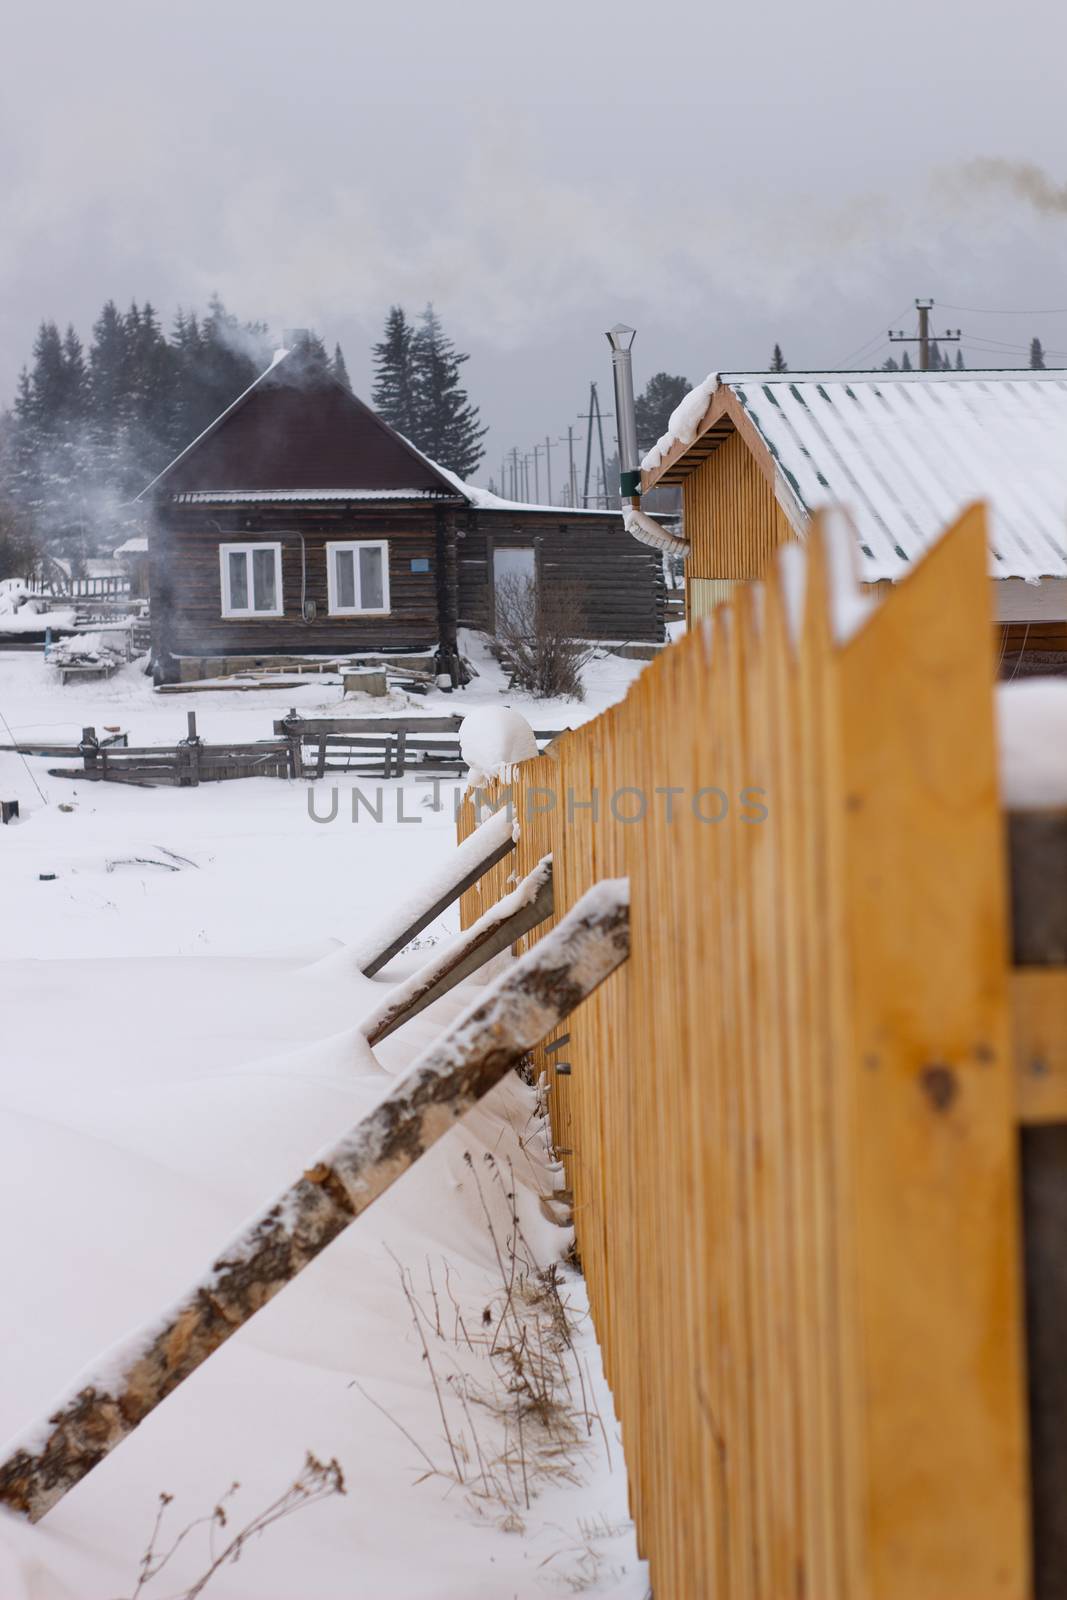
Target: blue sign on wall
(420,564)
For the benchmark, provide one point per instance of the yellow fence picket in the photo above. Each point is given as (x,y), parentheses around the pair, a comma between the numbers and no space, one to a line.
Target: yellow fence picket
(789,1127)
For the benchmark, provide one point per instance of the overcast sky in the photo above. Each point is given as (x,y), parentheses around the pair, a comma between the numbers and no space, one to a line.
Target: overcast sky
(721,176)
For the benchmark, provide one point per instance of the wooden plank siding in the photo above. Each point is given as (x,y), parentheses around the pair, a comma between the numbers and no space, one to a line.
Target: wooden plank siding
(789,1125)
(186,579)
(619,582)
(733,521)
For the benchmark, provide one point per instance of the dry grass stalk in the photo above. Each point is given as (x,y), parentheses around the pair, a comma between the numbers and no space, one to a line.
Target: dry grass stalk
(513,1399)
(317,1480)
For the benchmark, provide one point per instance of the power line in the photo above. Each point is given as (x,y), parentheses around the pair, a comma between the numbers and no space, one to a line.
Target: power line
(25,763)
(991,311)
(879,336)
(1000,344)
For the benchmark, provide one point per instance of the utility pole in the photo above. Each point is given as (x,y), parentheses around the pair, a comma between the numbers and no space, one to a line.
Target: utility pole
(572,477)
(594,414)
(537,475)
(548,468)
(923,338)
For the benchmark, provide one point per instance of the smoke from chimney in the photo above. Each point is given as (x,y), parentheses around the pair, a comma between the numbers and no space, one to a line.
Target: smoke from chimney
(1022,178)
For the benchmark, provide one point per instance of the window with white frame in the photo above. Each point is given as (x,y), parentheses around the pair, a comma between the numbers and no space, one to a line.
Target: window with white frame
(251,580)
(357,575)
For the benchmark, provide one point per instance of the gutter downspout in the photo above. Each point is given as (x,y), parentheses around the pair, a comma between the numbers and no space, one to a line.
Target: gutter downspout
(636,522)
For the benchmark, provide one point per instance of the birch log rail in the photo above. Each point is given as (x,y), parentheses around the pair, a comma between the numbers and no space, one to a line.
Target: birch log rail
(490,1038)
(501,926)
(471,860)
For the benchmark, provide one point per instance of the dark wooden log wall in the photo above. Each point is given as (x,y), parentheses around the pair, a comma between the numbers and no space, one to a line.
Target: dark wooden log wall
(621,581)
(187,603)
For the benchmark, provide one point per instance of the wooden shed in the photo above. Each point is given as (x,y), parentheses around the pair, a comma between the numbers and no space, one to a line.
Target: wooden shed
(299,523)
(757,453)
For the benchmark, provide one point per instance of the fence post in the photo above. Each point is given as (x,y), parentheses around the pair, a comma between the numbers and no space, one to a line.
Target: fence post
(188,754)
(89,750)
(290,725)
(926,1197)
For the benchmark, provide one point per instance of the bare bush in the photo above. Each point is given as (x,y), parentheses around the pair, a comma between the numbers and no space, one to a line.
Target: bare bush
(539,637)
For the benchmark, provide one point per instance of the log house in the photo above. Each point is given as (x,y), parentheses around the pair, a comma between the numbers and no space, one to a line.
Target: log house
(299,523)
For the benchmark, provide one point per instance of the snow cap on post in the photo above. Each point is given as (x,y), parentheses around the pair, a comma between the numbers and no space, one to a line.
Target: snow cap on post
(493,739)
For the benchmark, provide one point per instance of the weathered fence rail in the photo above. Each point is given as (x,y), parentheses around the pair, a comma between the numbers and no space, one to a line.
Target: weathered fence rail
(388,747)
(374,747)
(792,1123)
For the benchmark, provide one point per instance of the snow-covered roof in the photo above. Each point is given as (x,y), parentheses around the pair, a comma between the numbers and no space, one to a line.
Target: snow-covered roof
(486,500)
(133,547)
(904,452)
(221,497)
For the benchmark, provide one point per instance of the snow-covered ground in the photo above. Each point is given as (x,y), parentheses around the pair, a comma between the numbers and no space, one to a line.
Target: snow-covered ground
(175,1045)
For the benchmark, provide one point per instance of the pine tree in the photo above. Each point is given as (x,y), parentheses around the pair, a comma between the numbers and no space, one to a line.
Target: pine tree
(232,355)
(662,394)
(108,356)
(393,395)
(150,397)
(890,365)
(959,361)
(778,362)
(187,347)
(1037,356)
(308,363)
(75,379)
(905,362)
(338,369)
(84,435)
(18,549)
(48,455)
(448,427)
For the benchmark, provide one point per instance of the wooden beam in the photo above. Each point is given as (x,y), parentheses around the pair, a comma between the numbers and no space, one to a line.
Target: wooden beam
(519,1010)
(470,865)
(528,906)
(1039,1026)
(1038,847)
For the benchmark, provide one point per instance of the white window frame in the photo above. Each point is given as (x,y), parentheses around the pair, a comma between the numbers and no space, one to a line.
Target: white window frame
(249,613)
(355,545)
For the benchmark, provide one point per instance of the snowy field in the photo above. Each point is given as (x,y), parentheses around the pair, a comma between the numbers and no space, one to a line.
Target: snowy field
(175,1046)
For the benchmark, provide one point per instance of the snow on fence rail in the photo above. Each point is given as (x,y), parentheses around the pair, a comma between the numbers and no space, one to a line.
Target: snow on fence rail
(792,1125)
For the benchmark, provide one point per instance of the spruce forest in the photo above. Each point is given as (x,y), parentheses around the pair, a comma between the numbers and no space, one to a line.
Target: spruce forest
(92,424)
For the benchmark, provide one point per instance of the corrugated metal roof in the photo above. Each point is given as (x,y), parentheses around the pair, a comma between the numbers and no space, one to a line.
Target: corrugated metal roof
(905,452)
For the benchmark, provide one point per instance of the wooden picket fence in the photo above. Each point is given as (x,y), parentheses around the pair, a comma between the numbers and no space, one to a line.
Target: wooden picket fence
(790,1123)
